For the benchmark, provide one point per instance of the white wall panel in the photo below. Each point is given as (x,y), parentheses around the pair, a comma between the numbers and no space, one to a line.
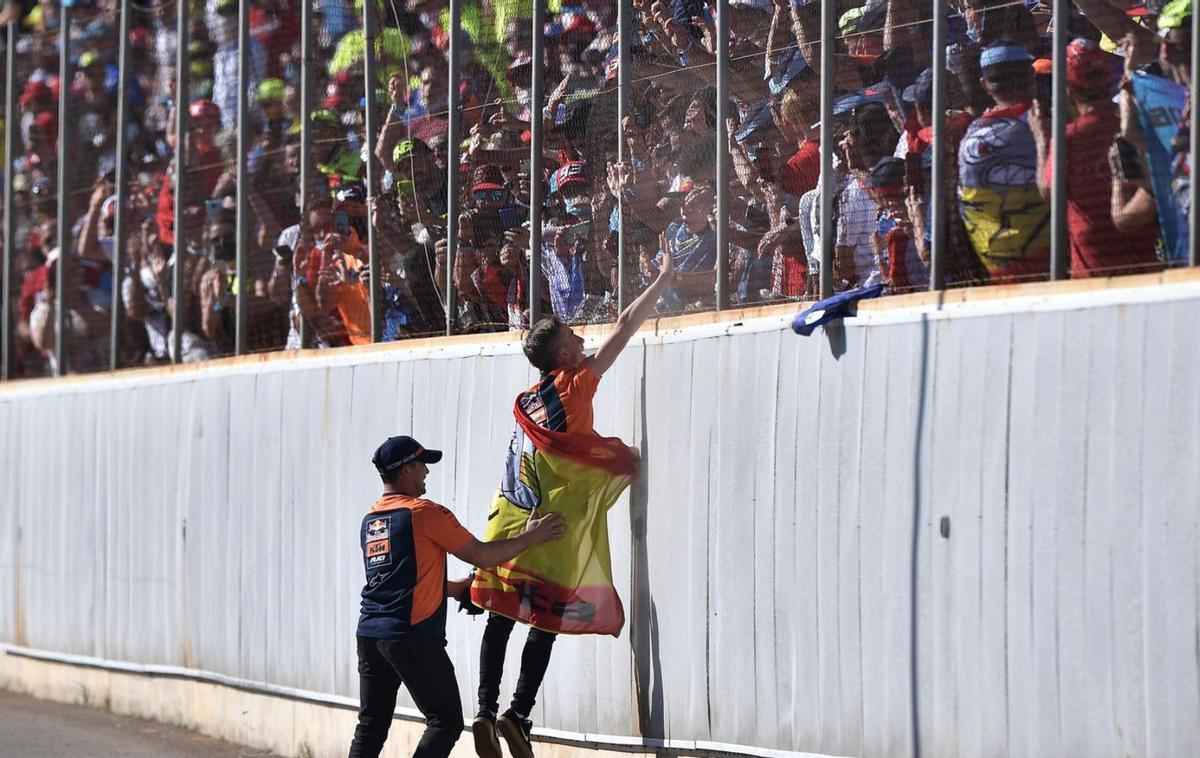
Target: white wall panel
(784,574)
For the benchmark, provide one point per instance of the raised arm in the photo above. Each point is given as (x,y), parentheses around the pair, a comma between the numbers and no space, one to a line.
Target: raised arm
(89,237)
(393,128)
(632,318)
(806,28)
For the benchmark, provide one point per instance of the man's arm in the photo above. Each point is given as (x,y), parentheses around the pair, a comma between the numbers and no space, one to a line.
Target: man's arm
(632,318)
(1038,124)
(89,237)
(537,531)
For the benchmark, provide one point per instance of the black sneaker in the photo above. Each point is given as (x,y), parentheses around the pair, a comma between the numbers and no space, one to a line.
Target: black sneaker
(515,728)
(483,728)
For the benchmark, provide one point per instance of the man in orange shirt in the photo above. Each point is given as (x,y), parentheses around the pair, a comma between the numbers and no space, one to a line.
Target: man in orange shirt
(402,627)
(561,401)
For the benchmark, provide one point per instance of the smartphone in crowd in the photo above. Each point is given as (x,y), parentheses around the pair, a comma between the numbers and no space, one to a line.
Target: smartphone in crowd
(1127,155)
(341,223)
(914,174)
(509,218)
(1044,93)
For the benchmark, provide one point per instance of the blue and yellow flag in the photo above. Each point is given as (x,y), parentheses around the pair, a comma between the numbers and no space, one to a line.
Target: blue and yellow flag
(564,586)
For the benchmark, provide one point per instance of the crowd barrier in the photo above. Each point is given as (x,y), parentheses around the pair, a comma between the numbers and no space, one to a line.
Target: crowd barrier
(959,524)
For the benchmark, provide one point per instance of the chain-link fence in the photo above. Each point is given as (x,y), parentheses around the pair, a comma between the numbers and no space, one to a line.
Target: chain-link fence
(290,178)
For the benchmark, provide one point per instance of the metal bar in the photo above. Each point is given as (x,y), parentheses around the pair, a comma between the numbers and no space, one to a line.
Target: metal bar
(370,35)
(63,233)
(828,185)
(306,164)
(10,222)
(536,103)
(122,179)
(453,156)
(722,157)
(1059,256)
(1193,144)
(624,74)
(182,87)
(242,228)
(937,180)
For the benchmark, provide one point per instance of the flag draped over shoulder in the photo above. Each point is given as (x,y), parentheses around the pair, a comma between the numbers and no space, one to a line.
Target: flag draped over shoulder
(564,586)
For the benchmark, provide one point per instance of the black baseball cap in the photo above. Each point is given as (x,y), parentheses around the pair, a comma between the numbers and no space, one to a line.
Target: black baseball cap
(397,451)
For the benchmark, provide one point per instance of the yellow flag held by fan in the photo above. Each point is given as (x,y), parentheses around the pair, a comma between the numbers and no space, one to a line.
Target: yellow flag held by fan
(564,586)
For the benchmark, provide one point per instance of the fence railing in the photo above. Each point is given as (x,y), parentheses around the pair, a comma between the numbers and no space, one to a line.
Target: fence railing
(189,180)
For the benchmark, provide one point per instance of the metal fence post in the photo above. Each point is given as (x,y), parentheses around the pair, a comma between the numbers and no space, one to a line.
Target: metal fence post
(122,188)
(624,76)
(370,36)
(722,156)
(1059,256)
(306,166)
(937,181)
(453,157)
(182,98)
(537,77)
(828,185)
(10,236)
(243,180)
(63,233)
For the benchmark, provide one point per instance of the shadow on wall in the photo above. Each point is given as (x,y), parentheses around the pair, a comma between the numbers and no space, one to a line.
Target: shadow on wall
(835,334)
(914,570)
(647,665)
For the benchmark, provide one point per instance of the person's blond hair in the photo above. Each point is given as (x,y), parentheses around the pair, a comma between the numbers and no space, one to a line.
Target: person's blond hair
(792,109)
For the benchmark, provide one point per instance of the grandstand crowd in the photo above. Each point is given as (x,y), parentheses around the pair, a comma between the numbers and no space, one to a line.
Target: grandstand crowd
(1128,162)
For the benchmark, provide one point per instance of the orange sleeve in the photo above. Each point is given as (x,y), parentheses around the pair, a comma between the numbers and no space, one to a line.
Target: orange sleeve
(441,527)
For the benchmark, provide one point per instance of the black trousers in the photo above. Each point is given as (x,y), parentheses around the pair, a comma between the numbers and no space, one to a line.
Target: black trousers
(534,660)
(423,667)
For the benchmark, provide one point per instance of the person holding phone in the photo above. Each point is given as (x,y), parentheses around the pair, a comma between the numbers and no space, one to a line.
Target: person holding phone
(1098,247)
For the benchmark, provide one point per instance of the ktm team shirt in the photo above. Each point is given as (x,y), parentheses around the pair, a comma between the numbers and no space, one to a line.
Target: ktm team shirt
(404,544)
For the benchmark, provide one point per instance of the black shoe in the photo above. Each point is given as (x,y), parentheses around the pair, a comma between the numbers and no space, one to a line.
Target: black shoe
(514,728)
(483,728)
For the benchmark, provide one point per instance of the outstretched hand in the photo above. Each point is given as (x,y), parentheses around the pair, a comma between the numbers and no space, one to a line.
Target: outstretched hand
(666,264)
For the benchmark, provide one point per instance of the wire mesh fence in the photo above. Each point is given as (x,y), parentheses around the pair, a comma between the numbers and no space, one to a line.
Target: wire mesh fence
(577,168)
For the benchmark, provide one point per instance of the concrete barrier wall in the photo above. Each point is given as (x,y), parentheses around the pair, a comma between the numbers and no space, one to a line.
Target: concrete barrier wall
(966,530)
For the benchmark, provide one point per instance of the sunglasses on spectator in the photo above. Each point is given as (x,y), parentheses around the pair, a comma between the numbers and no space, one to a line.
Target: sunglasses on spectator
(493,195)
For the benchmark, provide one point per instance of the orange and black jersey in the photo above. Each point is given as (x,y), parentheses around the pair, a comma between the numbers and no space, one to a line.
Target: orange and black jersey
(561,401)
(404,544)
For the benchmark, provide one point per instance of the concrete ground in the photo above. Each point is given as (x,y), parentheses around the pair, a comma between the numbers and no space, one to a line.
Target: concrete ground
(40,729)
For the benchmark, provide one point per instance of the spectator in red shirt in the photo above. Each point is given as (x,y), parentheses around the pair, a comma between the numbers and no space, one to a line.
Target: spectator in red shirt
(797,176)
(205,164)
(1098,248)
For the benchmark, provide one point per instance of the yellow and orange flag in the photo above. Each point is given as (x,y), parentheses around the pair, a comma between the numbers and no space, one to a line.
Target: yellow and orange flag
(564,586)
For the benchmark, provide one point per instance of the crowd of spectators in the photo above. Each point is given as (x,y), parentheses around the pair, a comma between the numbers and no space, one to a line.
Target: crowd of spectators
(307,285)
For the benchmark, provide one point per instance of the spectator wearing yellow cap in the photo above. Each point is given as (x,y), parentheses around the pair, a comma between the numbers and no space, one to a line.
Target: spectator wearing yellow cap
(275,123)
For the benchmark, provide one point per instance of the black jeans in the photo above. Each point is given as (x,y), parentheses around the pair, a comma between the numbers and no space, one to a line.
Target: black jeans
(423,667)
(534,660)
